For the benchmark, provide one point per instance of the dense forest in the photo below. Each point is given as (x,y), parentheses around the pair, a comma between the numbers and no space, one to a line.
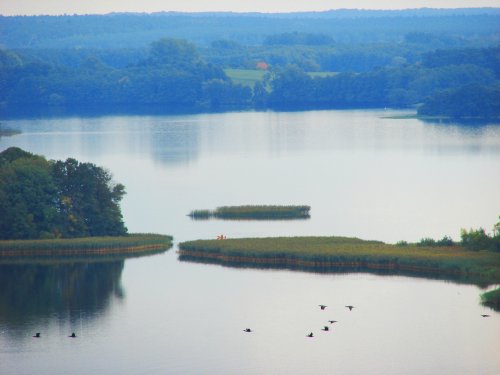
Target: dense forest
(134,30)
(444,62)
(54,199)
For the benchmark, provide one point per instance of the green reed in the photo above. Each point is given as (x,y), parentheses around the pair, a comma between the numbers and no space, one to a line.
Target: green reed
(127,242)
(343,250)
(249,212)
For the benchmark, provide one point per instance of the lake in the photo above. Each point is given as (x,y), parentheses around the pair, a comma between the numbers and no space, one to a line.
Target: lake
(362,173)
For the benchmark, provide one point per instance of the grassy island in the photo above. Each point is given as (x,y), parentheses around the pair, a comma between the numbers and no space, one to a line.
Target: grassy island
(253,213)
(129,244)
(343,253)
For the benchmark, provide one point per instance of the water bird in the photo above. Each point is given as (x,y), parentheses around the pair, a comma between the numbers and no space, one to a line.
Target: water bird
(37,335)
(325,328)
(322,307)
(247,330)
(350,307)
(310,335)
(332,321)
(485,315)
(73,335)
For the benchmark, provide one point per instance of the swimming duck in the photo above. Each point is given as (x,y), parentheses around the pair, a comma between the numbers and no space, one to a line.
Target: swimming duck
(37,335)
(73,335)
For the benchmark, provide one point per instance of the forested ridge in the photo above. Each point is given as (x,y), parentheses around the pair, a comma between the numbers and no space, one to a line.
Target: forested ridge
(138,30)
(442,62)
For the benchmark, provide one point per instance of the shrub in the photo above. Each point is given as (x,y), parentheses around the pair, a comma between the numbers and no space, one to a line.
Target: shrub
(476,239)
(445,241)
(426,242)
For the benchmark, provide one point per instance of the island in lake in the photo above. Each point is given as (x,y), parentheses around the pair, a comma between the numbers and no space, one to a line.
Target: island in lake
(63,208)
(475,259)
(253,212)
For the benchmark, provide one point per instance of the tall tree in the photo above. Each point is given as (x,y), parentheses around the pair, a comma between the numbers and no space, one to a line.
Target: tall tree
(41,199)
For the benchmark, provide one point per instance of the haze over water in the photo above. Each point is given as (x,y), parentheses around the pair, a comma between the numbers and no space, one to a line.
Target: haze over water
(364,175)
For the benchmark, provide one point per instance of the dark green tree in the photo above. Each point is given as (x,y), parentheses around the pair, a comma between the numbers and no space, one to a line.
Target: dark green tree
(175,52)
(27,196)
(43,199)
(88,200)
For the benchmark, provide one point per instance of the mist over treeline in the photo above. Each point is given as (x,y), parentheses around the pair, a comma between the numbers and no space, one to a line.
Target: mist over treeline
(421,58)
(137,30)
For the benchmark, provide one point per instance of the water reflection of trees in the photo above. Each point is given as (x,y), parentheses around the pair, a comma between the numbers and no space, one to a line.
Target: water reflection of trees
(33,292)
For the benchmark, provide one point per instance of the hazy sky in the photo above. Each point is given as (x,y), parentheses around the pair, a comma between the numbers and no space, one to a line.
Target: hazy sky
(15,7)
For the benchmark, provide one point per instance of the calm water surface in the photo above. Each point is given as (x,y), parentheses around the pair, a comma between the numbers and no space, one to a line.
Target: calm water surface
(362,174)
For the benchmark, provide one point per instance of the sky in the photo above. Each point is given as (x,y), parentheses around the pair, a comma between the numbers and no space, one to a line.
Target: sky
(55,7)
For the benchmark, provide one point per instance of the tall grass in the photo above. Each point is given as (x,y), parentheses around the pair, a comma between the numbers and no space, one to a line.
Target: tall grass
(335,252)
(250,212)
(131,243)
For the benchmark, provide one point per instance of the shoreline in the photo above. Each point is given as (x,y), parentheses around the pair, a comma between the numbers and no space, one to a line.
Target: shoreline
(132,244)
(334,253)
(351,255)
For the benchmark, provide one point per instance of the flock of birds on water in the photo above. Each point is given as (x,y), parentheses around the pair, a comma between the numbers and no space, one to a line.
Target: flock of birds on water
(311,334)
(326,328)
(249,330)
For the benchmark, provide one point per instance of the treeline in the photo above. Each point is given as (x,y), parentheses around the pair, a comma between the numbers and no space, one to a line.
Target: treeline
(472,239)
(309,51)
(173,74)
(399,87)
(319,52)
(54,199)
(134,30)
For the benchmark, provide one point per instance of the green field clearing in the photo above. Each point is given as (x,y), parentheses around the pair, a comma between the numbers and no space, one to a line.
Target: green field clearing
(248,77)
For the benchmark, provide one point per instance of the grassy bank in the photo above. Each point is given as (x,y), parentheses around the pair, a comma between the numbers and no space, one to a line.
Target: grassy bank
(337,253)
(253,213)
(130,244)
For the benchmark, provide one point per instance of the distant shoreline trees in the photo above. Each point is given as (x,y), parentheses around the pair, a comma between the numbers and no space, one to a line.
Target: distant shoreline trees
(173,75)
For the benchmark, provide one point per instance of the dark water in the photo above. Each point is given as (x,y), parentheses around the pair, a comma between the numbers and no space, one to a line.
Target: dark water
(363,175)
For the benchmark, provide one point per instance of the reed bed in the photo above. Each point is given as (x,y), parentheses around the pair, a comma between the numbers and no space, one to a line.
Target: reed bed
(131,243)
(250,212)
(335,252)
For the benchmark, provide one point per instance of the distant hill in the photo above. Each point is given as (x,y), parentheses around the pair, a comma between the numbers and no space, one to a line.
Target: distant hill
(137,30)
